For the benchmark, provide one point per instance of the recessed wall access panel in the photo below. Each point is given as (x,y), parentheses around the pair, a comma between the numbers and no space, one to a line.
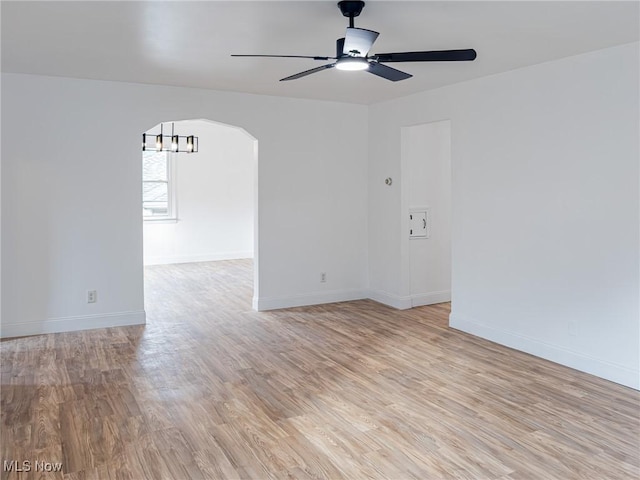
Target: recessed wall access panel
(419,223)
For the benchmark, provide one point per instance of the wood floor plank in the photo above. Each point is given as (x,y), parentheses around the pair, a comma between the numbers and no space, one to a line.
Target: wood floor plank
(210,389)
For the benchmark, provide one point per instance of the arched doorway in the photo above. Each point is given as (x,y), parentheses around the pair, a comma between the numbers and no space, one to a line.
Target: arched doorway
(201,206)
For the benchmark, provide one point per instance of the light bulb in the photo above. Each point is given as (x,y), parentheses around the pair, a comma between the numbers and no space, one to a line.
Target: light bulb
(352,63)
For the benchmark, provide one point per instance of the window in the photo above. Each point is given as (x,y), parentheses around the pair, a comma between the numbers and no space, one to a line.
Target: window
(158,200)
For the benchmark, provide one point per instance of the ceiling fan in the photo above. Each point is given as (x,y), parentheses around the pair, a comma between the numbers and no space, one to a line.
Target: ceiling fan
(352,52)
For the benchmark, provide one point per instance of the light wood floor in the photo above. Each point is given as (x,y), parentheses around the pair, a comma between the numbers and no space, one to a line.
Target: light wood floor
(210,389)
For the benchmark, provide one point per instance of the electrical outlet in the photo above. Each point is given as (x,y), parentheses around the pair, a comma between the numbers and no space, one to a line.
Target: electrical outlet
(572,329)
(92,296)
(323,277)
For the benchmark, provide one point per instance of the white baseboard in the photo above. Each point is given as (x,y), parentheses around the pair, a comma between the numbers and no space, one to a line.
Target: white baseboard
(405,302)
(390,299)
(430,298)
(208,257)
(68,324)
(621,374)
(274,303)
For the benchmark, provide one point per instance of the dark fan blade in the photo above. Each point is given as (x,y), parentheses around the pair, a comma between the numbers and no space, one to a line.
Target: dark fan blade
(308,72)
(285,56)
(433,56)
(358,41)
(387,72)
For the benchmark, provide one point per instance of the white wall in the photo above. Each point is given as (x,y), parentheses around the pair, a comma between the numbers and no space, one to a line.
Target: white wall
(0,216)
(545,253)
(426,182)
(214,197)
(71,189)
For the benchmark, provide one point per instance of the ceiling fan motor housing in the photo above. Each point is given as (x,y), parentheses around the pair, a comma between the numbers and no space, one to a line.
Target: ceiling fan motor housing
(350,8)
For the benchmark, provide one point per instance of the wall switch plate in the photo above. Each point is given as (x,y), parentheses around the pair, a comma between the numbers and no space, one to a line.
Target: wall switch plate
(92,296)
(323,277)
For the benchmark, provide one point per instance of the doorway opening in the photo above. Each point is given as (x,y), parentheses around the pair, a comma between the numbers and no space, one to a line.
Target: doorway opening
(199,212)
(426,212)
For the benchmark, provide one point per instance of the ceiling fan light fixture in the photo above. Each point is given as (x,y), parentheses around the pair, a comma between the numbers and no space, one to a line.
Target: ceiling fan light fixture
(352,64)
(352,52)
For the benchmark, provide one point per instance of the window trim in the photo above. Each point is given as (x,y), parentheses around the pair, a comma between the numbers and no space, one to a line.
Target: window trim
(172,215)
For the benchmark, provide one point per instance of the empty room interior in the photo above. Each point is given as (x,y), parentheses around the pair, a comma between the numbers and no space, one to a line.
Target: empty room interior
(320,239)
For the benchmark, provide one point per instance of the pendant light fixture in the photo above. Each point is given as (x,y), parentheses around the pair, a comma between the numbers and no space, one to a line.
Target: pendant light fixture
(171,143)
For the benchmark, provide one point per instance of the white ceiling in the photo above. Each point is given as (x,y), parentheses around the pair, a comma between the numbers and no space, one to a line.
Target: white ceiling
(188,43)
